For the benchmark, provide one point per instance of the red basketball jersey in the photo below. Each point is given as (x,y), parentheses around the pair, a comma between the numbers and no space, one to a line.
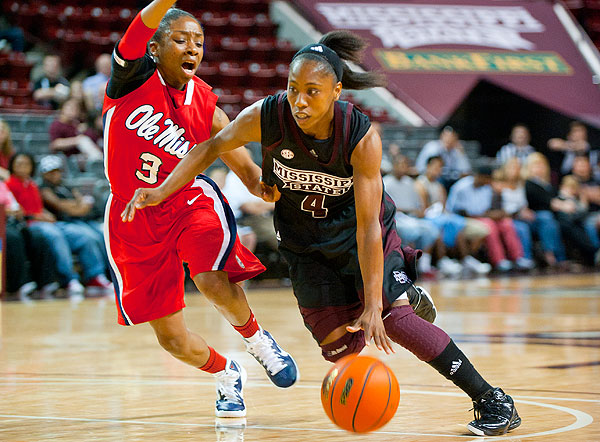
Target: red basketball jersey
(150,128)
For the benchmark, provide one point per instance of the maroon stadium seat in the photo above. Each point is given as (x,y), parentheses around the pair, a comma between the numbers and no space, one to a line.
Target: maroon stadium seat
(232,74)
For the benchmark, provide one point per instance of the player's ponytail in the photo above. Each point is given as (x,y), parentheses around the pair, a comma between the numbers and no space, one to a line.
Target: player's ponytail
(349,46)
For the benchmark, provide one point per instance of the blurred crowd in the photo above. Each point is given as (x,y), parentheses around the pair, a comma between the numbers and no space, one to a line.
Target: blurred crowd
(54,231)
(510,213)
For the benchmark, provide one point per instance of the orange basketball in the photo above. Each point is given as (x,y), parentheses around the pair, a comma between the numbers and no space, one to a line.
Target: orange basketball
(360,393)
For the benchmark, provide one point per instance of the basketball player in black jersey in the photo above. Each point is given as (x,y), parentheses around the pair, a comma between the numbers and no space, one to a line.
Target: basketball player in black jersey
(351,276)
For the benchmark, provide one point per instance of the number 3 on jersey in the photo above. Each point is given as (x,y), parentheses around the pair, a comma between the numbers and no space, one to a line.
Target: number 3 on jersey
(316,205)
(151,164)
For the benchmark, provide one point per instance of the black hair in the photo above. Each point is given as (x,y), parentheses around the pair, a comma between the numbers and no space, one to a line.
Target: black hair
(433,158)
(348,46)
(484,169)
(11,162)
(165,24)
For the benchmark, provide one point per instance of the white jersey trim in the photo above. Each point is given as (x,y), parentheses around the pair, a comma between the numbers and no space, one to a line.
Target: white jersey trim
(189,93)
(220,211)
(119,60)
(160,77)
(109,114)
(119,289)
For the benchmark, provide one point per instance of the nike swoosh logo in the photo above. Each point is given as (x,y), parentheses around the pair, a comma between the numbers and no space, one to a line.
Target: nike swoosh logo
(190,202)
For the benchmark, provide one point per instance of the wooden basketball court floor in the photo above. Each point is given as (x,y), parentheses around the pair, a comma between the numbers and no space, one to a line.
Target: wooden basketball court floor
(68,372)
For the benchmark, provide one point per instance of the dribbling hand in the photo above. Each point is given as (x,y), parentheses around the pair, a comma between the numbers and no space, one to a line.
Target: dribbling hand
(371,323)
(270,194)
(141,198)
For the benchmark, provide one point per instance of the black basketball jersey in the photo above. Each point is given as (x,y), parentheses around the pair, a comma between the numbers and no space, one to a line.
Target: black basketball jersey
(316,211)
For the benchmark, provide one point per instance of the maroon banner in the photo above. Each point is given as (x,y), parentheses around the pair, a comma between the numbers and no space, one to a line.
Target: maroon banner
(434,53)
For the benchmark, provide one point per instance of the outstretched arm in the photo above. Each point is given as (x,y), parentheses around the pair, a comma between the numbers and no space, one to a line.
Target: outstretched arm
(238,160)
(244,129)
(368,191)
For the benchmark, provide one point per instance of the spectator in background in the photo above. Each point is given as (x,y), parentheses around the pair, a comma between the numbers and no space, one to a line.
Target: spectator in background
(570,191)
(389,151)
(449,147)
(95,85)
(12,34)
(590,192)
(575,144)
(472,196)
(67,204)
(518,147)
(29,263)
(465,234)
(63,238)
(541,195)
(6,149)
(251,211)
(410,224)
(246,234)
(52,89)
(520,224)
(71,137)
(541,222)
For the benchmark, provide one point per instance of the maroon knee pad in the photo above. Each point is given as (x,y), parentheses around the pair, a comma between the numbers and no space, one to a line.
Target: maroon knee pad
(421,338)
(346,345)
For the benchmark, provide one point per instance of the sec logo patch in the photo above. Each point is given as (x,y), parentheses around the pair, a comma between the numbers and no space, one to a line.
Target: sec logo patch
(287,154)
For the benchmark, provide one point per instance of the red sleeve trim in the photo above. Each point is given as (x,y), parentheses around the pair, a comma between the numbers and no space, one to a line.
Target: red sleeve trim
(133,44)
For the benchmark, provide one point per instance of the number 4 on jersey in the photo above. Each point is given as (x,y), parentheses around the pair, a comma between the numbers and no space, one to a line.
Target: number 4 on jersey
(316,205)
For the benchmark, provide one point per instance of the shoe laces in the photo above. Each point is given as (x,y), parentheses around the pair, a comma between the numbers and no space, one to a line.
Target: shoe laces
(226,385)
(490,403)
(264,350)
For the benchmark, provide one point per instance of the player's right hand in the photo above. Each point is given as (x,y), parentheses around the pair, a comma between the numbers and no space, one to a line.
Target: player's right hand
(141,198)
(269,194)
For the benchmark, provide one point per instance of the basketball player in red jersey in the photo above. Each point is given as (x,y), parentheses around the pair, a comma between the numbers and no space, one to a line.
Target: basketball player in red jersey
(155,109)
(351,275)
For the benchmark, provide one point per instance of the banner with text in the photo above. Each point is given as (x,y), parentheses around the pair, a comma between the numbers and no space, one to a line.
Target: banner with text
(434,53)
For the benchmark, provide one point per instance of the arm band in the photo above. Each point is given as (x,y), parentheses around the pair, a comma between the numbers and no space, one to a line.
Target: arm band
(133,44)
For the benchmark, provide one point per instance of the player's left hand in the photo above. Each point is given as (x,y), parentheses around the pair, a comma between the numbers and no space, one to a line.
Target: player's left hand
(371,322)
(141,198)
(270,193)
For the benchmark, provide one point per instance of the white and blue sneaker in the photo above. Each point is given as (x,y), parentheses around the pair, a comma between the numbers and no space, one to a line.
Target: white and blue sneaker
(279,365)
(230,396)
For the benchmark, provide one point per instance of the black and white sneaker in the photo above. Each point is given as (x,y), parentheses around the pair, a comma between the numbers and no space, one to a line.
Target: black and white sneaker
(495,414)
(422,303)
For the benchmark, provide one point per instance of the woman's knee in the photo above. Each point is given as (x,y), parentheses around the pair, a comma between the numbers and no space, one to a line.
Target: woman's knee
(174,342)
(213,284)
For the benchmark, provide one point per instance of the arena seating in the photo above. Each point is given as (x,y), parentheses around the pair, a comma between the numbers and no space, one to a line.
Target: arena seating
(241,47)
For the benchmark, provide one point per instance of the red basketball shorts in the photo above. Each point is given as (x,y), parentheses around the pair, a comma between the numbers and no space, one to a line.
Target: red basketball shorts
(195,226)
